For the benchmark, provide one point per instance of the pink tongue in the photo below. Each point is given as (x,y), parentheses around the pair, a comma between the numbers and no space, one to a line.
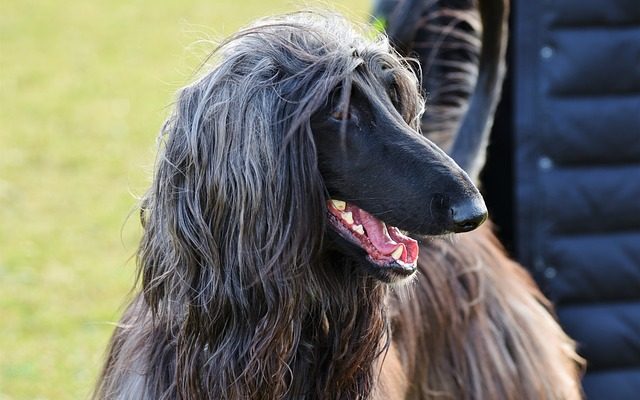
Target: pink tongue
(377,233)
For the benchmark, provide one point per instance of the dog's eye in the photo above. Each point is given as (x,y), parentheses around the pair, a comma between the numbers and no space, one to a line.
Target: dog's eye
(341,115)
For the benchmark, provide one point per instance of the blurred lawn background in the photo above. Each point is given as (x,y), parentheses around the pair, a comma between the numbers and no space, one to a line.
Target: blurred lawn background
(84,89)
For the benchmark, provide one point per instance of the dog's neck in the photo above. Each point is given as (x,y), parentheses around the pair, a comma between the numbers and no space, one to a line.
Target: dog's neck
(326,344)
(344,332)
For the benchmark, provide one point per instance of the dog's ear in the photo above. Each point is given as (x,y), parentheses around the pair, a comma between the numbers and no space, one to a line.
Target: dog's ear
(235,192)
(235,218)
(176,236)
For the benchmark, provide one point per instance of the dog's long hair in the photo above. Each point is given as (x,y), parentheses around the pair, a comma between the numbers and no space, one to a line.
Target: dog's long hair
(241,298)
(236,297)
(477,327)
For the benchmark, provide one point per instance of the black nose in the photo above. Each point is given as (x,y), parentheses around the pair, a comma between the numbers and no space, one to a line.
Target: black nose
(468,215)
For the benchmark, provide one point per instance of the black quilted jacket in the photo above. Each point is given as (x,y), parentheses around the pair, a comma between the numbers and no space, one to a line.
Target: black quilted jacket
(575,99)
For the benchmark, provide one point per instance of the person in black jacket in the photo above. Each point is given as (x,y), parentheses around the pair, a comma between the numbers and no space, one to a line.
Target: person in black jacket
(562,179)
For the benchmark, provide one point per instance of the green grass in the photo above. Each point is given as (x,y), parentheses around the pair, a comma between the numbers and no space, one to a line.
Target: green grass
(84,88)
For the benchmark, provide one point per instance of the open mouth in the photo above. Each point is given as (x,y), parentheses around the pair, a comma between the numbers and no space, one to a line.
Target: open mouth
(385,245)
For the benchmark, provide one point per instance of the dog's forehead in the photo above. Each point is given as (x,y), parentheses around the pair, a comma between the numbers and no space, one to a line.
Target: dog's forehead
(381,72)
(370,81)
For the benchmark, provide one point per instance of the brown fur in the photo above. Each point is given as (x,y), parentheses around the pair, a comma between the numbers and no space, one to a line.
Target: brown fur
(473,325)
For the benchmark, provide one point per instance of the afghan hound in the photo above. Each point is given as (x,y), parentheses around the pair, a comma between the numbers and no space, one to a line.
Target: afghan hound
(301,242)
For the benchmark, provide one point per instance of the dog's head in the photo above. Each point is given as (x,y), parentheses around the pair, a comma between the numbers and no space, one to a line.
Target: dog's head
(302,129)
(385,181)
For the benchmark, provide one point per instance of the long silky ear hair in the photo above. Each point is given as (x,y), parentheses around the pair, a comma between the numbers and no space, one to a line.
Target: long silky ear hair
(235,217)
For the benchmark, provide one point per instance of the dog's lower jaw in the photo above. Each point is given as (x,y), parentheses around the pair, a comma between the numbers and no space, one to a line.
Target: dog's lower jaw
(393,273)
(357,259)
(383,251)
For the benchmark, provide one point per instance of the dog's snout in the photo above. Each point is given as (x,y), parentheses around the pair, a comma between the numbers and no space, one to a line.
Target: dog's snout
(468,215)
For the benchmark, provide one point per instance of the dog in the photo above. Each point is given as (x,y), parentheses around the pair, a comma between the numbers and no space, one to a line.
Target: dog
(303,240)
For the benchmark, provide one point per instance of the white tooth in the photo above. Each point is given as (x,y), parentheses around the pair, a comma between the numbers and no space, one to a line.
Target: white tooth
(397,253)
(358,228)
(339,204)
(348,217)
